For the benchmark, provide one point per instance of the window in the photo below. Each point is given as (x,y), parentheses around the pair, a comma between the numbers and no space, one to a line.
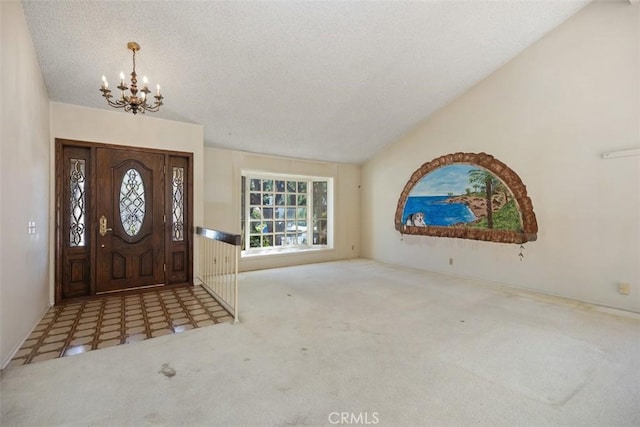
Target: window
(132,202)
(77,180)
(285,213)
(177,206)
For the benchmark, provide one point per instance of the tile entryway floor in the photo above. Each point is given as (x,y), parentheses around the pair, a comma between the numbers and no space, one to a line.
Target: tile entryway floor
(79,327)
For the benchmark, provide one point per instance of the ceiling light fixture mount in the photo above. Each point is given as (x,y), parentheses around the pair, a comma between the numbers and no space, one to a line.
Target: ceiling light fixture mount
(136,100)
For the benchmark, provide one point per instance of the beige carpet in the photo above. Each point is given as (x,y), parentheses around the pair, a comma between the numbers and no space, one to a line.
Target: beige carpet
(383,345)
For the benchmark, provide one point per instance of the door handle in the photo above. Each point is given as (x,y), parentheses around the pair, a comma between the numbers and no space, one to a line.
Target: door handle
(103,226)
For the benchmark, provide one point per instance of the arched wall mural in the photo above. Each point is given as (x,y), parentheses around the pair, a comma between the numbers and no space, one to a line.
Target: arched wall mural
(467,196)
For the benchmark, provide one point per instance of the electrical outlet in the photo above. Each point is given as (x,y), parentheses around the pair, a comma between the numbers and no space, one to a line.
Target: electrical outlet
(624,288)
(450,261)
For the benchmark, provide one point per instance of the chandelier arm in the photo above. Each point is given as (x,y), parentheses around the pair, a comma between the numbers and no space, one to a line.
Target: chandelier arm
(155,107)
(116,104)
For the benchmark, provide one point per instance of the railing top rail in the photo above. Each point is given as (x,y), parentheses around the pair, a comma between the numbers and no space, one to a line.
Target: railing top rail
(232,239)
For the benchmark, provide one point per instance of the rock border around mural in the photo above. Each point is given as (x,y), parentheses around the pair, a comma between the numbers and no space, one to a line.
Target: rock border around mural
(501,171)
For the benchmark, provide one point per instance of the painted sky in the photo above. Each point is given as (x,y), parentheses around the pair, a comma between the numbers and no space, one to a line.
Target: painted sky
(447,179)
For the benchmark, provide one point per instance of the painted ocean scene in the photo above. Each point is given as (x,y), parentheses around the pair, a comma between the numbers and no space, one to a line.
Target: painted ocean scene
(461,195)
(437,211)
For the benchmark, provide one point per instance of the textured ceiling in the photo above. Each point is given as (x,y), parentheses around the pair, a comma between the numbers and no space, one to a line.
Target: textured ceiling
(323,80)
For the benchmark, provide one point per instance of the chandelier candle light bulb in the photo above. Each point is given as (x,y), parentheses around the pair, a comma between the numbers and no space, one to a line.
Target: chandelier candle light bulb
(133,102)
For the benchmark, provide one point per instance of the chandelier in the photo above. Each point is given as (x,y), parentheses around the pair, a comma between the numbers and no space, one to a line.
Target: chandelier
(135,100)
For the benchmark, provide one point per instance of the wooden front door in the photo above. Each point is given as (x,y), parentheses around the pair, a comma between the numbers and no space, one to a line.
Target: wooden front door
(124,219)
(130,210)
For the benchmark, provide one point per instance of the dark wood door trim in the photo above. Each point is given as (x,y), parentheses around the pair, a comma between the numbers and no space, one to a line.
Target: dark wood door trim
(179,267)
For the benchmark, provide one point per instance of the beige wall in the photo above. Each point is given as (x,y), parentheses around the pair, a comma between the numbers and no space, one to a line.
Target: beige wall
(116,127)
(549,114)
(222,201)
(24,184)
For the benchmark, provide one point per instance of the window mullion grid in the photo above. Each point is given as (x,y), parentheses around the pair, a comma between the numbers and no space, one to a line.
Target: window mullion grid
(297,219)
(310,242)
(247,210)
(288,209)
(263,221)
(248,217)
(269,221)
(290,237)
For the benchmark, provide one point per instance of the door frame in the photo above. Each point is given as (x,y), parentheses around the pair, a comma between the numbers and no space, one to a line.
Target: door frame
(91,215)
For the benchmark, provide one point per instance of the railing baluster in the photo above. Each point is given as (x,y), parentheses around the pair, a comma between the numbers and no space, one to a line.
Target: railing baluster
(226,274)
(219,266)
(214,279)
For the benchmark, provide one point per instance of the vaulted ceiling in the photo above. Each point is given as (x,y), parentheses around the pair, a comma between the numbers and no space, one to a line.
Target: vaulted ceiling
(324,80)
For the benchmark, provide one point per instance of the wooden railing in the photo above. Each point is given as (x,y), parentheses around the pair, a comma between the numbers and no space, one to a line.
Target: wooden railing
(219,255)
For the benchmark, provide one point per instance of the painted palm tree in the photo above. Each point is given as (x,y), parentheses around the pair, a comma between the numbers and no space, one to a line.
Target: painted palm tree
(487,183)
(501,188)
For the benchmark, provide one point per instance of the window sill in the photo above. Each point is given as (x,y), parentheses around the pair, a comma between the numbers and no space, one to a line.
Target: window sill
(283,251)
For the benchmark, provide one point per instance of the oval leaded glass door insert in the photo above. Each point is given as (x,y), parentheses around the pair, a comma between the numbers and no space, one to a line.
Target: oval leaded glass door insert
(132,202)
